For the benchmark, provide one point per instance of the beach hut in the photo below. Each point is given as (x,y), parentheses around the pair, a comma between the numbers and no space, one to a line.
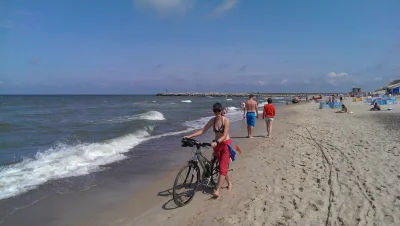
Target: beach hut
(396,91)
(355,92)
(394,88)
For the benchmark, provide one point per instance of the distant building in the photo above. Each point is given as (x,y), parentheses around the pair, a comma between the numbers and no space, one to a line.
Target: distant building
(356,91)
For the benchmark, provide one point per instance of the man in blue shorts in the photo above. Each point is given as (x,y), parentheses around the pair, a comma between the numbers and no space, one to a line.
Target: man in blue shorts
(251,115)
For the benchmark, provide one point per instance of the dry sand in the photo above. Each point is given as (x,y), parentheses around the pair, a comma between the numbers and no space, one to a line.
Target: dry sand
(319,168)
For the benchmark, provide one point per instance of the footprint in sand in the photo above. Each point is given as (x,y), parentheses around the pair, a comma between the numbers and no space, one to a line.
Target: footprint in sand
(313,206)
(389,219)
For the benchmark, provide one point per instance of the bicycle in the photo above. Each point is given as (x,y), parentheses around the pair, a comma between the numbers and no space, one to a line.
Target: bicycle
(192,176)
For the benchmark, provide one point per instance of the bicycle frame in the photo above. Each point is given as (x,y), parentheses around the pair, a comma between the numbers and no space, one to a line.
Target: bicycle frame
(205,164)
(198,157)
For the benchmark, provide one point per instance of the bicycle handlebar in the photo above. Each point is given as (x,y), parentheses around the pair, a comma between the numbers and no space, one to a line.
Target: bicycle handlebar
(188,142)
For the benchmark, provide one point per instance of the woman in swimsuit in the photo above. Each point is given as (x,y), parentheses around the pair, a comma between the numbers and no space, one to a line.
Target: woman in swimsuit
(220,144)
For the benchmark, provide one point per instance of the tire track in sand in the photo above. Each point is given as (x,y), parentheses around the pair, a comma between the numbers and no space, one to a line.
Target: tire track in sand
(330,183)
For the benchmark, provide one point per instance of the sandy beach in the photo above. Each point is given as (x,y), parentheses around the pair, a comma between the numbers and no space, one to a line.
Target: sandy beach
(318,168)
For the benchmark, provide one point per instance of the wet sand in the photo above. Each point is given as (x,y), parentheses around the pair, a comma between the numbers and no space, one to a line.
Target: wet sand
(319,168)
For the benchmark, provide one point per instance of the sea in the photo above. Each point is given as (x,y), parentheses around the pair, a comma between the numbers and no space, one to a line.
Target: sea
(56,144)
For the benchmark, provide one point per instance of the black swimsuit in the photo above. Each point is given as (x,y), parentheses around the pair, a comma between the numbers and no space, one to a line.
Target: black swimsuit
(221,129)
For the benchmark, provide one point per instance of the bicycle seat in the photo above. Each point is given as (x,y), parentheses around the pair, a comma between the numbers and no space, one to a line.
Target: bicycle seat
(187,142)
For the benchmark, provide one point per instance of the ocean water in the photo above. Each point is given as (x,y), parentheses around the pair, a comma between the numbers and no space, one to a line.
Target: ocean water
(47,138)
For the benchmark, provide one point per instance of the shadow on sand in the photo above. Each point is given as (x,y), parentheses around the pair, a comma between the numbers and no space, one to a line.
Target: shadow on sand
(170,204)
(247,137)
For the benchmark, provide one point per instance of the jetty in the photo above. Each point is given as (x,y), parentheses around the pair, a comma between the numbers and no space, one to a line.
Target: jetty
(213,94)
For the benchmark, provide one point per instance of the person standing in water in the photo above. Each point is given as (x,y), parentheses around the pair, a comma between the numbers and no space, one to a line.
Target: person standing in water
(243,108)
(268,115)
(220,144)
(251,114)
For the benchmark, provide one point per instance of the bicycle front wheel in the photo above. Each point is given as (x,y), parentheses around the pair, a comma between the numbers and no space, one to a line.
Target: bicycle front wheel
(214,171)
(185,185)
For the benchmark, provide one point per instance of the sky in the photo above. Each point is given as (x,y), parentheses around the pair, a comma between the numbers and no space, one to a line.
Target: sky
(150,46)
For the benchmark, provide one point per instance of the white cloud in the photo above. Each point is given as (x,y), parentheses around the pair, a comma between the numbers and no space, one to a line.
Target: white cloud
(225,6)
(378,78)
(166,6)
(260,83)
(333,74)
(284,81)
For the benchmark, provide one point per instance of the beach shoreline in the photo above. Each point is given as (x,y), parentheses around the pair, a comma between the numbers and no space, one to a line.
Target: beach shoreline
(313,153)
(319,168)
(73,199)
(155,199)
(215,94)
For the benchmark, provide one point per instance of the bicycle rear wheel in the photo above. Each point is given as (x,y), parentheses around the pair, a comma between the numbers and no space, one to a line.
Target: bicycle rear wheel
(185,184)
(214,171)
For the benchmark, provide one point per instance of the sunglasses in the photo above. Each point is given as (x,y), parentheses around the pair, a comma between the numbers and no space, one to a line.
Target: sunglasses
(216,110)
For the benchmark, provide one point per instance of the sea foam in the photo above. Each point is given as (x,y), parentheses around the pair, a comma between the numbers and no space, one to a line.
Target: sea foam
(233,114)
(150,115)
(62,160)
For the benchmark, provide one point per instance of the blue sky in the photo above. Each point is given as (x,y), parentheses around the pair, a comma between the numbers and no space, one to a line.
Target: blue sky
(147,46)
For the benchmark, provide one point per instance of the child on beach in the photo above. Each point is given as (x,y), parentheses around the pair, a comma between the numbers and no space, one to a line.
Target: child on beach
(243,108)
(268,115)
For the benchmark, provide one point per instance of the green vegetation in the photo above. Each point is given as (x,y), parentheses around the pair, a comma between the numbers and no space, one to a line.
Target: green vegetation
(394,82)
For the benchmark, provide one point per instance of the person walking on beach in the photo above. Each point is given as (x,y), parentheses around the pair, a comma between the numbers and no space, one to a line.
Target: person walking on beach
(220,144)
(243,108)
(251,114)
(268,115)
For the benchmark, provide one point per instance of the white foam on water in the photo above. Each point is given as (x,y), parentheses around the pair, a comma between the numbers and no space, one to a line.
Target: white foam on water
(229,99)
(150,115)
(198,123)
(186,101)
(63,161)
(234,115)
(231,109)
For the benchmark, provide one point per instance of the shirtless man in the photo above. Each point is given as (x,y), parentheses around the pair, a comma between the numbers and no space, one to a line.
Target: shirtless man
(251,115)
